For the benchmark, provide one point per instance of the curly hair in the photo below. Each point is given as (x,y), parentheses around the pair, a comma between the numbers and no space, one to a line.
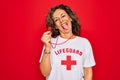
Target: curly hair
(76,28)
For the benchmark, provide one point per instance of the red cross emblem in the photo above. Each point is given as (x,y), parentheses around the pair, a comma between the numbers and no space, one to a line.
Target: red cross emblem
(68,62)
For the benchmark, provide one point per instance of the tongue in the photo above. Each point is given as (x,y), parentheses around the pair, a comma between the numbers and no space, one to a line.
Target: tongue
(64,26)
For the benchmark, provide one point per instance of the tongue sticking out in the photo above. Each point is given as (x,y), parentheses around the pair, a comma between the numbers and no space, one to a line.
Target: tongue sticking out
(65,26)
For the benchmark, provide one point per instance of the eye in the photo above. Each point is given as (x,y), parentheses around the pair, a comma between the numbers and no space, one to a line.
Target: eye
(56,20)
(63,15)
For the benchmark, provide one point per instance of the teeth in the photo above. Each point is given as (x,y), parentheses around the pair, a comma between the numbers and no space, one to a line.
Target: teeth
(64,26)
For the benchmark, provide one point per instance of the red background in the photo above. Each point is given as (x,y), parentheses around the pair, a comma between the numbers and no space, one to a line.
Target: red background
(23,22)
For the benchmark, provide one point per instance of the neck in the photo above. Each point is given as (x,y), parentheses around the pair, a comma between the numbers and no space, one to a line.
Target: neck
(67,36)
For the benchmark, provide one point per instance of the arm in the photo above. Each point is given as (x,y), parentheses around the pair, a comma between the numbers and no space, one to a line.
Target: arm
(45,65)
(45,62)
(88,73)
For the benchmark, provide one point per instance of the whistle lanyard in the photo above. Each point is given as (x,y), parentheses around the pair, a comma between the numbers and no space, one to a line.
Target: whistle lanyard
(56,43)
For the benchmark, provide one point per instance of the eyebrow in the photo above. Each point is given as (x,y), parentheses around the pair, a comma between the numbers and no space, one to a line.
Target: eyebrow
(60,15)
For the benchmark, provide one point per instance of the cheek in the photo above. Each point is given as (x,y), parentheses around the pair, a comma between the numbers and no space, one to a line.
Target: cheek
(69,19)
(57,25)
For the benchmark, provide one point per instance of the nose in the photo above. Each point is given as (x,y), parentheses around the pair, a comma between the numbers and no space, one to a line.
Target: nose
(61,20)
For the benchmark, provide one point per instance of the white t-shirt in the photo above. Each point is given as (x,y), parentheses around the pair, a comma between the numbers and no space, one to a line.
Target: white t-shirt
(69,59)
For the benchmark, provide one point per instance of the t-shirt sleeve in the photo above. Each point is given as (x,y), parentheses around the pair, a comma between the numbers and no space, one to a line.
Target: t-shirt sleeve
(89,60)
(42,54)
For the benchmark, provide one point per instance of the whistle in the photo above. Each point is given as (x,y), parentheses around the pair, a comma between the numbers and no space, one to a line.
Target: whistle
(49,29)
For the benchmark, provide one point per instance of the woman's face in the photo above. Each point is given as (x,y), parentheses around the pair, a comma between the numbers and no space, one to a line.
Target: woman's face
(62,21)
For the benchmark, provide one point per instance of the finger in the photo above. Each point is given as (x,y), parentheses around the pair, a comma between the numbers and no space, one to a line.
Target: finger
(47,32)
(46,41)
(45,38)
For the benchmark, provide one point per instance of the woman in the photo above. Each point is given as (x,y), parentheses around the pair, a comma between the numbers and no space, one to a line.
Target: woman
(65,55)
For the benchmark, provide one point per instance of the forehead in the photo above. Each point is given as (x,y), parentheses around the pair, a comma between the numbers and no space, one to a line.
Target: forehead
(58,12)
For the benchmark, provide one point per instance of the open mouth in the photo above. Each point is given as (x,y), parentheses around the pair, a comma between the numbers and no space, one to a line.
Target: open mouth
(65,26)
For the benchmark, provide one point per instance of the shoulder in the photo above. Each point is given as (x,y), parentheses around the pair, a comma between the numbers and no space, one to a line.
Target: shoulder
(83,39)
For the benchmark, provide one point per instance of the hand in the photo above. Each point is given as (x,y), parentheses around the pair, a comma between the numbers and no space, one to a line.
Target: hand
(46,38)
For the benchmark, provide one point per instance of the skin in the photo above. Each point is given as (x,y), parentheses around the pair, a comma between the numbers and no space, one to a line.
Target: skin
(60,17)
